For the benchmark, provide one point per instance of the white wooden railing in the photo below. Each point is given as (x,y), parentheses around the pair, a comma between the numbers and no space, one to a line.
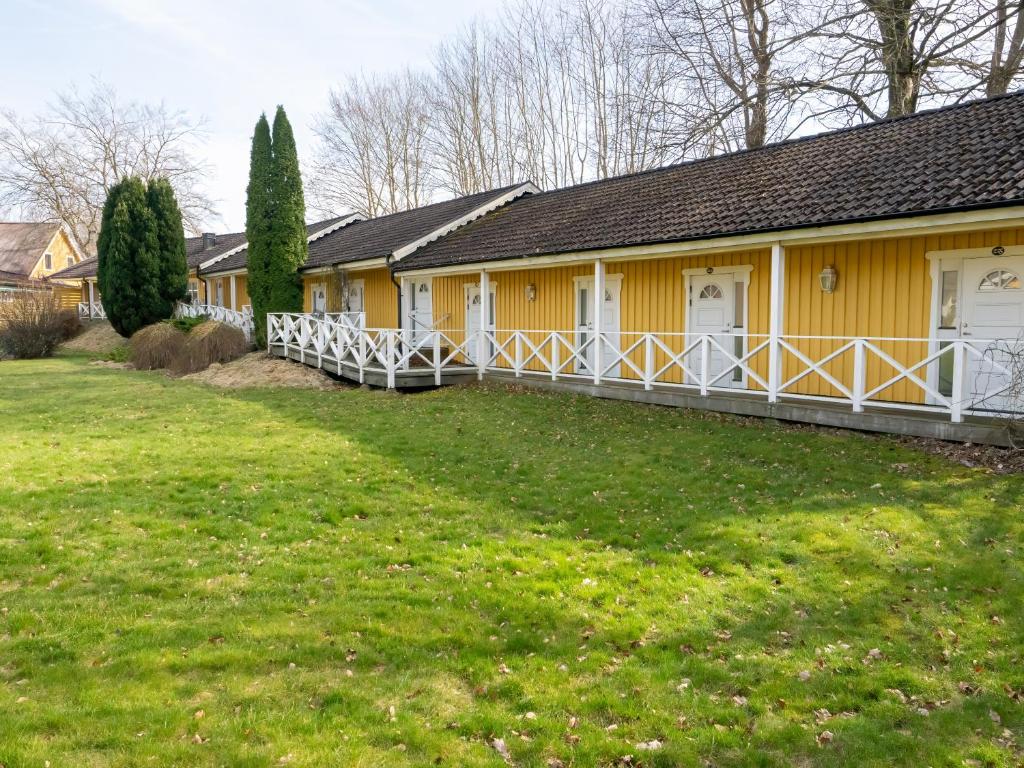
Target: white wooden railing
(351,319)
(955,377)
(241,320)
(91,311)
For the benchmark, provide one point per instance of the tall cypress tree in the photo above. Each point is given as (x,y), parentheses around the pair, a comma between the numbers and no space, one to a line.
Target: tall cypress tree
(258,214)
(173,266)
(289,248)
(128,269)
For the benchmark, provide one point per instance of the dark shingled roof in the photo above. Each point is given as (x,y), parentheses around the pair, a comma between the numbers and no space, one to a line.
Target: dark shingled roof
(195,254)
(239,260)
(964,156)
(84,268)
(382,236)
(22,244)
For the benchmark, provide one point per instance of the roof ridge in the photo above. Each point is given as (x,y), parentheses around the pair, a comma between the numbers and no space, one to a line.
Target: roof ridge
(785,142)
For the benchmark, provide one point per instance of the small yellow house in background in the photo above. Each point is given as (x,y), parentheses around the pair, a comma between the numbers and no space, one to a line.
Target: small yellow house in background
(33,253)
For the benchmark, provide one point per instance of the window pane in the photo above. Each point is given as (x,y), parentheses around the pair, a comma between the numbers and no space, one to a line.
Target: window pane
(737,372)
(946,371)
(948,308)
(584,303)
(739,296)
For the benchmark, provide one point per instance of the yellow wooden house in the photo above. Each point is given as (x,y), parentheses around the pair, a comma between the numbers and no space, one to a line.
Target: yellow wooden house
(32,254)
(871,277)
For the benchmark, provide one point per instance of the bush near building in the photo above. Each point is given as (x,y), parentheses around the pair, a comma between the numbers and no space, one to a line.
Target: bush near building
(33,324)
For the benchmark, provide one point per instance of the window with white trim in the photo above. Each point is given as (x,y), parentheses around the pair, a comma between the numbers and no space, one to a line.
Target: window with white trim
(47,261)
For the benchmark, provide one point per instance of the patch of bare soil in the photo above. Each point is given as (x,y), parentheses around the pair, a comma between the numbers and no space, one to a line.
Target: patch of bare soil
(258,369)
(993,458)
(113,364)
(99,337)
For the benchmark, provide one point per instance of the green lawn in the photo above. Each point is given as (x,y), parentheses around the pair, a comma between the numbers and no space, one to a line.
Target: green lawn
(190,576)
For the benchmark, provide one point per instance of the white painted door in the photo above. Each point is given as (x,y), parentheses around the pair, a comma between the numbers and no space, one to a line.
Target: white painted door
(319,298)
(993,309)
(712,311)
(356,289)
(419,300)
(219,295)
(610,325)
(473,323)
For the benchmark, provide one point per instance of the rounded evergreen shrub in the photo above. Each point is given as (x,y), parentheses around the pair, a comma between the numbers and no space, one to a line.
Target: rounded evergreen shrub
(208,343)
(155,346)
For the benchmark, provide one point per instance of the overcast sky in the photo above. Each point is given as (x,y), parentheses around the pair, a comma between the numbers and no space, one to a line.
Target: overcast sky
(223,60)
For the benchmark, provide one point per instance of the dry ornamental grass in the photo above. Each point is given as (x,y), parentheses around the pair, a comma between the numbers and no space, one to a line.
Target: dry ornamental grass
(208,343)
(156,346)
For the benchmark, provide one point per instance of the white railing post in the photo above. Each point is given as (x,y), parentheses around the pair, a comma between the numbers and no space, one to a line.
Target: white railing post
(437,358)
(389,351)
(777,283)
(957,397)
(596,339)
(705,364)
(519,353)
(648,361)
(362,357)
(556,355)
(859,375)
(482,346)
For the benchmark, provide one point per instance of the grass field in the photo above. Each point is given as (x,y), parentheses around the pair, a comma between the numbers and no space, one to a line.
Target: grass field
(473,577)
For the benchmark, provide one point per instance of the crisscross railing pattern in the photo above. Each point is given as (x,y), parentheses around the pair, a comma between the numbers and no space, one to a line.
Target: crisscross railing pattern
(241,320)
(91,310)
(925,374)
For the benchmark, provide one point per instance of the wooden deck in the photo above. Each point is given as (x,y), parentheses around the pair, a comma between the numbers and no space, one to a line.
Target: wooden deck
(911,422)
(694,371)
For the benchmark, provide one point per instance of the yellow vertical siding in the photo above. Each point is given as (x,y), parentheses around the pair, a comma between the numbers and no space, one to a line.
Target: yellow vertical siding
(884,291)
(379,296)
(241,292)
(60,249)
(651,300)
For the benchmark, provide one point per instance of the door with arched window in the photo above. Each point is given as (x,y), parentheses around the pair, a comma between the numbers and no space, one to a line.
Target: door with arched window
(717,307)
(993,320)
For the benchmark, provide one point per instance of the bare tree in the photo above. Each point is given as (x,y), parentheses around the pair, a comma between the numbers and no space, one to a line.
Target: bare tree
(886,58)
(731,60)
(995,64)
(59,164)
(372,155)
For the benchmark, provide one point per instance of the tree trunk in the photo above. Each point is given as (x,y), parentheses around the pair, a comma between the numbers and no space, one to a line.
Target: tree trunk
(897,48)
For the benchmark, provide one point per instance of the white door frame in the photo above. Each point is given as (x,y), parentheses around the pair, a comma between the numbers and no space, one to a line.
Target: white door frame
(740,274)
(492,325)
(352,284)
(313,288)
(953,261)
(611,282)
(408,323)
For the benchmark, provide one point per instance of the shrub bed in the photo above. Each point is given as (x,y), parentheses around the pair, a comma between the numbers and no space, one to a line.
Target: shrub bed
(33,324)
(208,343)
(156,346)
